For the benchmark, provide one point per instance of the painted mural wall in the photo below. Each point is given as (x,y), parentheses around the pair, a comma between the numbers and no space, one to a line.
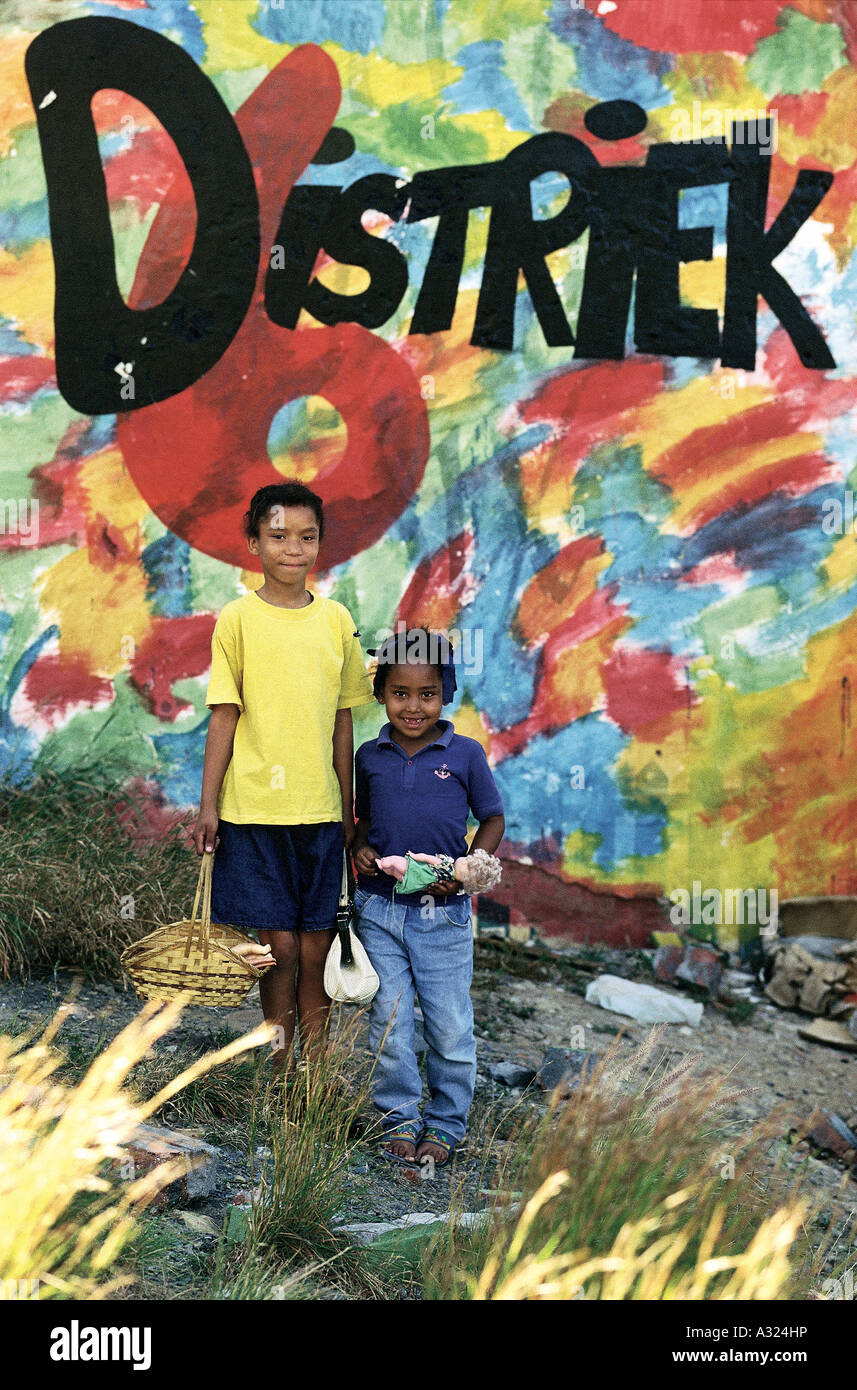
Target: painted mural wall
(554,305)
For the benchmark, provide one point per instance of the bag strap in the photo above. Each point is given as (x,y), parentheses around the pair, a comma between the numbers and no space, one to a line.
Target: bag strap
(203,892)
(343,916)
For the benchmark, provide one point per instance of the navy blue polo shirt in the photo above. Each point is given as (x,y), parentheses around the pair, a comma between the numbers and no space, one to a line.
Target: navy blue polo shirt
(420,801)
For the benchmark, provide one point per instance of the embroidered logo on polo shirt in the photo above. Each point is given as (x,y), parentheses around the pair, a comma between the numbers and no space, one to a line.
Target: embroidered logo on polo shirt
(442,771)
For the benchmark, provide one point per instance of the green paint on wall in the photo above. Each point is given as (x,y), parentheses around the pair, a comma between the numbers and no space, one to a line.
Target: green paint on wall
(472,21)
(212,583)
(236,87)
(130,232)
(395,135)
(373,585)
(22,176)
(540,65)
(121,739)
(613,480)
(413,29)
(30,438)
(798,58)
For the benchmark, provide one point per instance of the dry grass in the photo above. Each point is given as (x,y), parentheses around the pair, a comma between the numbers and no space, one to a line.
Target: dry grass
(618,1192)
(82,876)
(65,1213)
(217,1099)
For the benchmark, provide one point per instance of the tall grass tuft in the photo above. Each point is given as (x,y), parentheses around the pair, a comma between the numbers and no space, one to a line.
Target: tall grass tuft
(83,873)
(311,1124)
(65,1212)
(629,1188)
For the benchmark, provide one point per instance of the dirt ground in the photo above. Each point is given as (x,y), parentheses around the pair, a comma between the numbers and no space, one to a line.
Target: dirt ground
(526,1000)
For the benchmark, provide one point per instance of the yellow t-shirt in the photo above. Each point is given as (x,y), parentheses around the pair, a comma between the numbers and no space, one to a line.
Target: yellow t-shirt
(288,670)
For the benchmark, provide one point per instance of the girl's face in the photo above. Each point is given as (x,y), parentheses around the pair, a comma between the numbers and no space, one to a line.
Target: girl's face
(412,699)
(287,544)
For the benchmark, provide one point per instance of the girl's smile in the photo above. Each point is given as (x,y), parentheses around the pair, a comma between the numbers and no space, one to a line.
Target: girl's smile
(412,699)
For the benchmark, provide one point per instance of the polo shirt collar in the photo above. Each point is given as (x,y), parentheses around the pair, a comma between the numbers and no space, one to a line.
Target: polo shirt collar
(443,739)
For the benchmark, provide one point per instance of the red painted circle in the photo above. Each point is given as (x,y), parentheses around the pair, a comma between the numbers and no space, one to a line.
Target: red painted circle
(198,457)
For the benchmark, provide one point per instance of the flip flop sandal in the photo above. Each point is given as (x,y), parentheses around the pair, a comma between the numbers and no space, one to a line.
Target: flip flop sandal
(442,1140)
(410,1132)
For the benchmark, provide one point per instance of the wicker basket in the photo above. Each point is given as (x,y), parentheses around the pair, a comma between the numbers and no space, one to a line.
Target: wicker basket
(192,956)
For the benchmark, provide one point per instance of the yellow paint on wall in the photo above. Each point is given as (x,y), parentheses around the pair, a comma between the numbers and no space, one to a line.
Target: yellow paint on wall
(718,83)
(547,486)
(342,279)
(27,293)
(703,283)
(380,82)
(15,106)
(110,493)
(231,41)
(722,777)
(833,140)
(455,364)
(469,723)
(674,414)
(733,464)
(475,246)
(97,608)
(840,565)
(639,757)
(578,857)
(491,127)
(844,252)
(577,685)
(97,595)
(713,791)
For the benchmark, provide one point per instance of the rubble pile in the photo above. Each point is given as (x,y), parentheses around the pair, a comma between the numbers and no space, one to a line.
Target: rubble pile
(821,980)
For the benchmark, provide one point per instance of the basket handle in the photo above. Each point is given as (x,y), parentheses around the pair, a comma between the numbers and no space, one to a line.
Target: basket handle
(203,891)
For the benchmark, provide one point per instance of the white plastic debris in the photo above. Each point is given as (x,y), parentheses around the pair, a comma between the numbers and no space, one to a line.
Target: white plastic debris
(364,1232)
(643,1002)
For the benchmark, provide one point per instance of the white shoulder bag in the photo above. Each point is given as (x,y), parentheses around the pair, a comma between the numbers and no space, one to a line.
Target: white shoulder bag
(349,977)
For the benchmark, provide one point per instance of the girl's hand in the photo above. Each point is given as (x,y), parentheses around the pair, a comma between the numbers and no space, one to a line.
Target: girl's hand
(364,860)
(442,887)
(204,833)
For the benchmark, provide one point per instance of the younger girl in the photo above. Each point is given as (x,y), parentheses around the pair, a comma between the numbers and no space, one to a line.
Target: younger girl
(415,784)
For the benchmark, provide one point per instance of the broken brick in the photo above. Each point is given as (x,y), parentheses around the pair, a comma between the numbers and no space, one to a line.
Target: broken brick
(666,962)
(152,1145)
(701,967)
(828,1131)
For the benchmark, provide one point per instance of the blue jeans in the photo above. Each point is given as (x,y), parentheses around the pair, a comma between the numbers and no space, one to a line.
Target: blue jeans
(427,950)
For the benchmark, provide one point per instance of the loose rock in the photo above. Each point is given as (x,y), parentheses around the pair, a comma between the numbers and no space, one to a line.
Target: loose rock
(152,1145)
(559,1065)
(511,1074)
